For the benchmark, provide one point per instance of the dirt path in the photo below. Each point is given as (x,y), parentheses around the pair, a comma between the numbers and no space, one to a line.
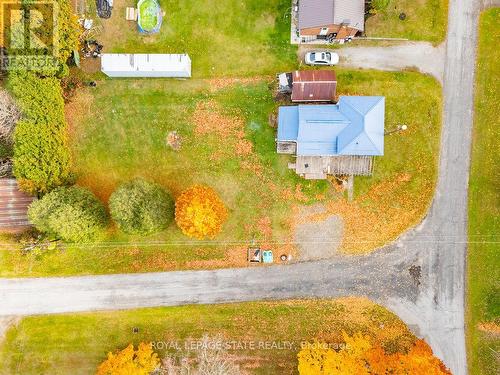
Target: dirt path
(317,237)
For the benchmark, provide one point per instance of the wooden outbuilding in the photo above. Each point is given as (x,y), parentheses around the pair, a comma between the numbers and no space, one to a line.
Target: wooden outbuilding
(13,206)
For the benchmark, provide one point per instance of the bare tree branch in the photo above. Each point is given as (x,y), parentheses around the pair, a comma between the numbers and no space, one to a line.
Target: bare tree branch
(210,359)
(9,115)
(5,168)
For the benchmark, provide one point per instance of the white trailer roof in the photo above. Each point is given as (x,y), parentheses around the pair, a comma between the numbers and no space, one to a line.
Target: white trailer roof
(146,65)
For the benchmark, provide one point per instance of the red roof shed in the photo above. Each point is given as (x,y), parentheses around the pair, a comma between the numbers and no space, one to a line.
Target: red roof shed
(314,86)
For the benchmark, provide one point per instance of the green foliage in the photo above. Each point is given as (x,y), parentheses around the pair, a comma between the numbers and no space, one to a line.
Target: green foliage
(5,150)
(65,33)
(41,154)
(41,157)
(74,214)
(69,31)
(483,261)
(40,99)
(141,207)
(379,4)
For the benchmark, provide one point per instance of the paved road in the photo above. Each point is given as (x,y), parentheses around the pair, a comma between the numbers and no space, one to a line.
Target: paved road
(433,305)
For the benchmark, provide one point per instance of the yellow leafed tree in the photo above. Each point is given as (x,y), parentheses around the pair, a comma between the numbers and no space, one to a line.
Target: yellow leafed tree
(361,358)
(129,361)
(199,212)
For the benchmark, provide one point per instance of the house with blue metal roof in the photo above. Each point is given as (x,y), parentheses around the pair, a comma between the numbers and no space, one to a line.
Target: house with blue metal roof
(338,139)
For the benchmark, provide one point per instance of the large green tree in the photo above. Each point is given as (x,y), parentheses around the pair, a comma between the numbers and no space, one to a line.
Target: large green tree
(141,207)
(73,214)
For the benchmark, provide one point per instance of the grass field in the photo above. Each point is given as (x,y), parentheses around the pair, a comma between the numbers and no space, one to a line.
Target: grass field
(223,38)
(425,20)
(483,315)
(76,344)
(119,131)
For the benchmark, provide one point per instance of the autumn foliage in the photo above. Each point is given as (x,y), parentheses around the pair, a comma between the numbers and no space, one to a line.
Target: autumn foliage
(360,357)
(199,212)
(129,361)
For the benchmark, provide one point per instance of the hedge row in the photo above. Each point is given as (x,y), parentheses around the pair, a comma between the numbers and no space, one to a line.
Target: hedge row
(41,154)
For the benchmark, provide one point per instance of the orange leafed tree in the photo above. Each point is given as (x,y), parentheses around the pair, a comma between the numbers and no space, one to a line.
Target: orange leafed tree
(361,358)
(199,212)
(129,361)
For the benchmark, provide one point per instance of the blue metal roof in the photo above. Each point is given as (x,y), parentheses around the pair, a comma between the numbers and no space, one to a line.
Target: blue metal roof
(365,136)
(355,126)
(319,127)
(288,123)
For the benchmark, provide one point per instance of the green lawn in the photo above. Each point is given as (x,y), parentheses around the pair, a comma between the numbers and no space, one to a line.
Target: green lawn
(76,343)
(118,132)
(425,20)
(223,38)
(484,206)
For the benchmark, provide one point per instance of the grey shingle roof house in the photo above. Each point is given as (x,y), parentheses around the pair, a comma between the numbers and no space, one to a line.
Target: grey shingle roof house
(331,18)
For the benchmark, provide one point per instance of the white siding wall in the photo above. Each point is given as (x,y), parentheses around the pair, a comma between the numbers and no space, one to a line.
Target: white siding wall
(146,65)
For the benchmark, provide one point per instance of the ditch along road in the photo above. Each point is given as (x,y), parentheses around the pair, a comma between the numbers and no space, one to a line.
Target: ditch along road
(420,277)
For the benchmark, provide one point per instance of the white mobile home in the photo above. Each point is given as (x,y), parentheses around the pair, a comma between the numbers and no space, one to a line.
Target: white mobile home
(146,65)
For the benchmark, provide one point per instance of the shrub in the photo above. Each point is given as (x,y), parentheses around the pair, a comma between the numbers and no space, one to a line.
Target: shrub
(39,98)
(73,214)
(41,155)
(142,361)
(199,212)
(69,31)
(141,207)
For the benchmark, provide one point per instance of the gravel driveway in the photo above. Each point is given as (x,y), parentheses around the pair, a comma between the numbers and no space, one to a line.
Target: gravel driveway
(422,56)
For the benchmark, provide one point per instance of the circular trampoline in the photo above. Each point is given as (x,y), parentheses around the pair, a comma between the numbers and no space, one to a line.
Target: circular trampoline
(149,16)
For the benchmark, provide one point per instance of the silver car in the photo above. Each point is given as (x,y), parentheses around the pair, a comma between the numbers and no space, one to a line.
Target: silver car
(321,58)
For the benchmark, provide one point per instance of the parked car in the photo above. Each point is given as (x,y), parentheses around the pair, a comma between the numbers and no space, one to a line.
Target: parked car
(321,58)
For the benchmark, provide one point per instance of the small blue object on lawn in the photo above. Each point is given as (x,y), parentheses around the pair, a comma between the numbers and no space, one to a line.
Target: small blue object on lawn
(267,256)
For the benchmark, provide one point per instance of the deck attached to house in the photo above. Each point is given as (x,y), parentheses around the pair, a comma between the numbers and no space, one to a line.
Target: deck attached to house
(319,167)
